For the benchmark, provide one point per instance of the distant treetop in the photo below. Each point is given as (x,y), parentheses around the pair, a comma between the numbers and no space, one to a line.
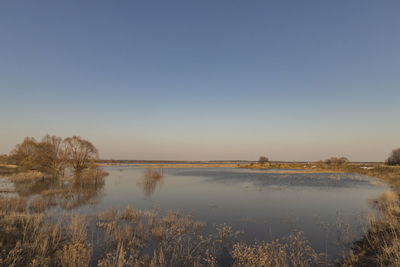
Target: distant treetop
(394,158)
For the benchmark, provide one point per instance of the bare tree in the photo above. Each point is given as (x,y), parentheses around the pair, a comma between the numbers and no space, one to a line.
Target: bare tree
(80,152)
(394,158)
(25,154)
(337,161)
(3,159)
(263,160)
(52,155)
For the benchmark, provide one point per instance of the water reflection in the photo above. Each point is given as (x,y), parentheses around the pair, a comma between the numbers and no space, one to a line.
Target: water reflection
(267,179)
(68,192)
(85,189)
(151,178)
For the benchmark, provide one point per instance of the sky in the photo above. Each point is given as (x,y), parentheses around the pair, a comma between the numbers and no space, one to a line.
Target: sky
(204,80)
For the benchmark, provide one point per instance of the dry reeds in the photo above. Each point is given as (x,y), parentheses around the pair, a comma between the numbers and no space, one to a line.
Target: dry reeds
(380,245)
(10,204)
(293,250)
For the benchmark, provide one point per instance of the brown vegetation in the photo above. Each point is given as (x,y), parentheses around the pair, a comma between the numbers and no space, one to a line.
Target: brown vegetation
(337,161)
(150,180)
(80,152)
(394,158)
(52,154)
(293,250)
(263,160)
(135,238)
(380,245)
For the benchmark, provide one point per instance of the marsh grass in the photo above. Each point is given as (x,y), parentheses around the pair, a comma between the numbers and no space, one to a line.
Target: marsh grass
(7,190)
(130,237)
(29,176)
(137,238)
(149,181)
(10,204)
(31,240)
(293,250)
(380,244)
(38,205)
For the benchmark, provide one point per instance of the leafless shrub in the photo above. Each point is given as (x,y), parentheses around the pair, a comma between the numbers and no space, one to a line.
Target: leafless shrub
(337,161)
(394,158)
(263,160)
(291,251)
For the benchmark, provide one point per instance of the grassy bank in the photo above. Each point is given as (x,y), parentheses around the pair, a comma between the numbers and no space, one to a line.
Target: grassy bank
(388,174)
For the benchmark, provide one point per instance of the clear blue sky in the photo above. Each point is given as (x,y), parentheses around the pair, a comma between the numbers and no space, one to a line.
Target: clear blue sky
(293,80)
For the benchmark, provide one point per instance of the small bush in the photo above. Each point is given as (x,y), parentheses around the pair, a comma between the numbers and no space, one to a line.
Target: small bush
(337,161)
(394,158)
(263,160)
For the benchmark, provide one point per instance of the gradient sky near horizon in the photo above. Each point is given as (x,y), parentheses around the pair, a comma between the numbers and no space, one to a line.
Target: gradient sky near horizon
(204,80)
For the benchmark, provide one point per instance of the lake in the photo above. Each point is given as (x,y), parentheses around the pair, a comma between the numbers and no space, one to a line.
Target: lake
(264,204)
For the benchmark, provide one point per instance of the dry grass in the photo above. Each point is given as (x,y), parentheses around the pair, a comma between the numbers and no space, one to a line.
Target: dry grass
(291,251)
(133,238)
(54,191)
(388,174)
(7,190)
(176,240)
(380,245)
(150,180)
(8,204)
(29,240)
(38,205)
(76,252)
(28,176)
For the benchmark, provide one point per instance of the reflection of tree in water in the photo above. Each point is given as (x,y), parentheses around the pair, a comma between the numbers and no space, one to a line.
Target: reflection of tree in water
(85,188)
(149,181)
(67,193)
(34,187)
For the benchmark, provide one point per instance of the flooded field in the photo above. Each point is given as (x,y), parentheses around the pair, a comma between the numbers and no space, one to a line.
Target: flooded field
(329,208)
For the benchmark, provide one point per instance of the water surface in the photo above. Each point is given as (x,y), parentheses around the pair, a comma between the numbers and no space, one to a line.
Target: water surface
(263,203)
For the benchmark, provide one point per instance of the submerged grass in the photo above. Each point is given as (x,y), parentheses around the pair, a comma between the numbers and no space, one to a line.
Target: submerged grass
(133,237)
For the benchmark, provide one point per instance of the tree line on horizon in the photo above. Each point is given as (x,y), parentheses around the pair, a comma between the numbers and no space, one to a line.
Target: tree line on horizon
(393,159)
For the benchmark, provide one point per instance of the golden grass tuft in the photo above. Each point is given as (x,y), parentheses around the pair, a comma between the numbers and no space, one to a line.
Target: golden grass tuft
(38,205)
(28,176)
(380,245)
(291,251)
(10,204)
